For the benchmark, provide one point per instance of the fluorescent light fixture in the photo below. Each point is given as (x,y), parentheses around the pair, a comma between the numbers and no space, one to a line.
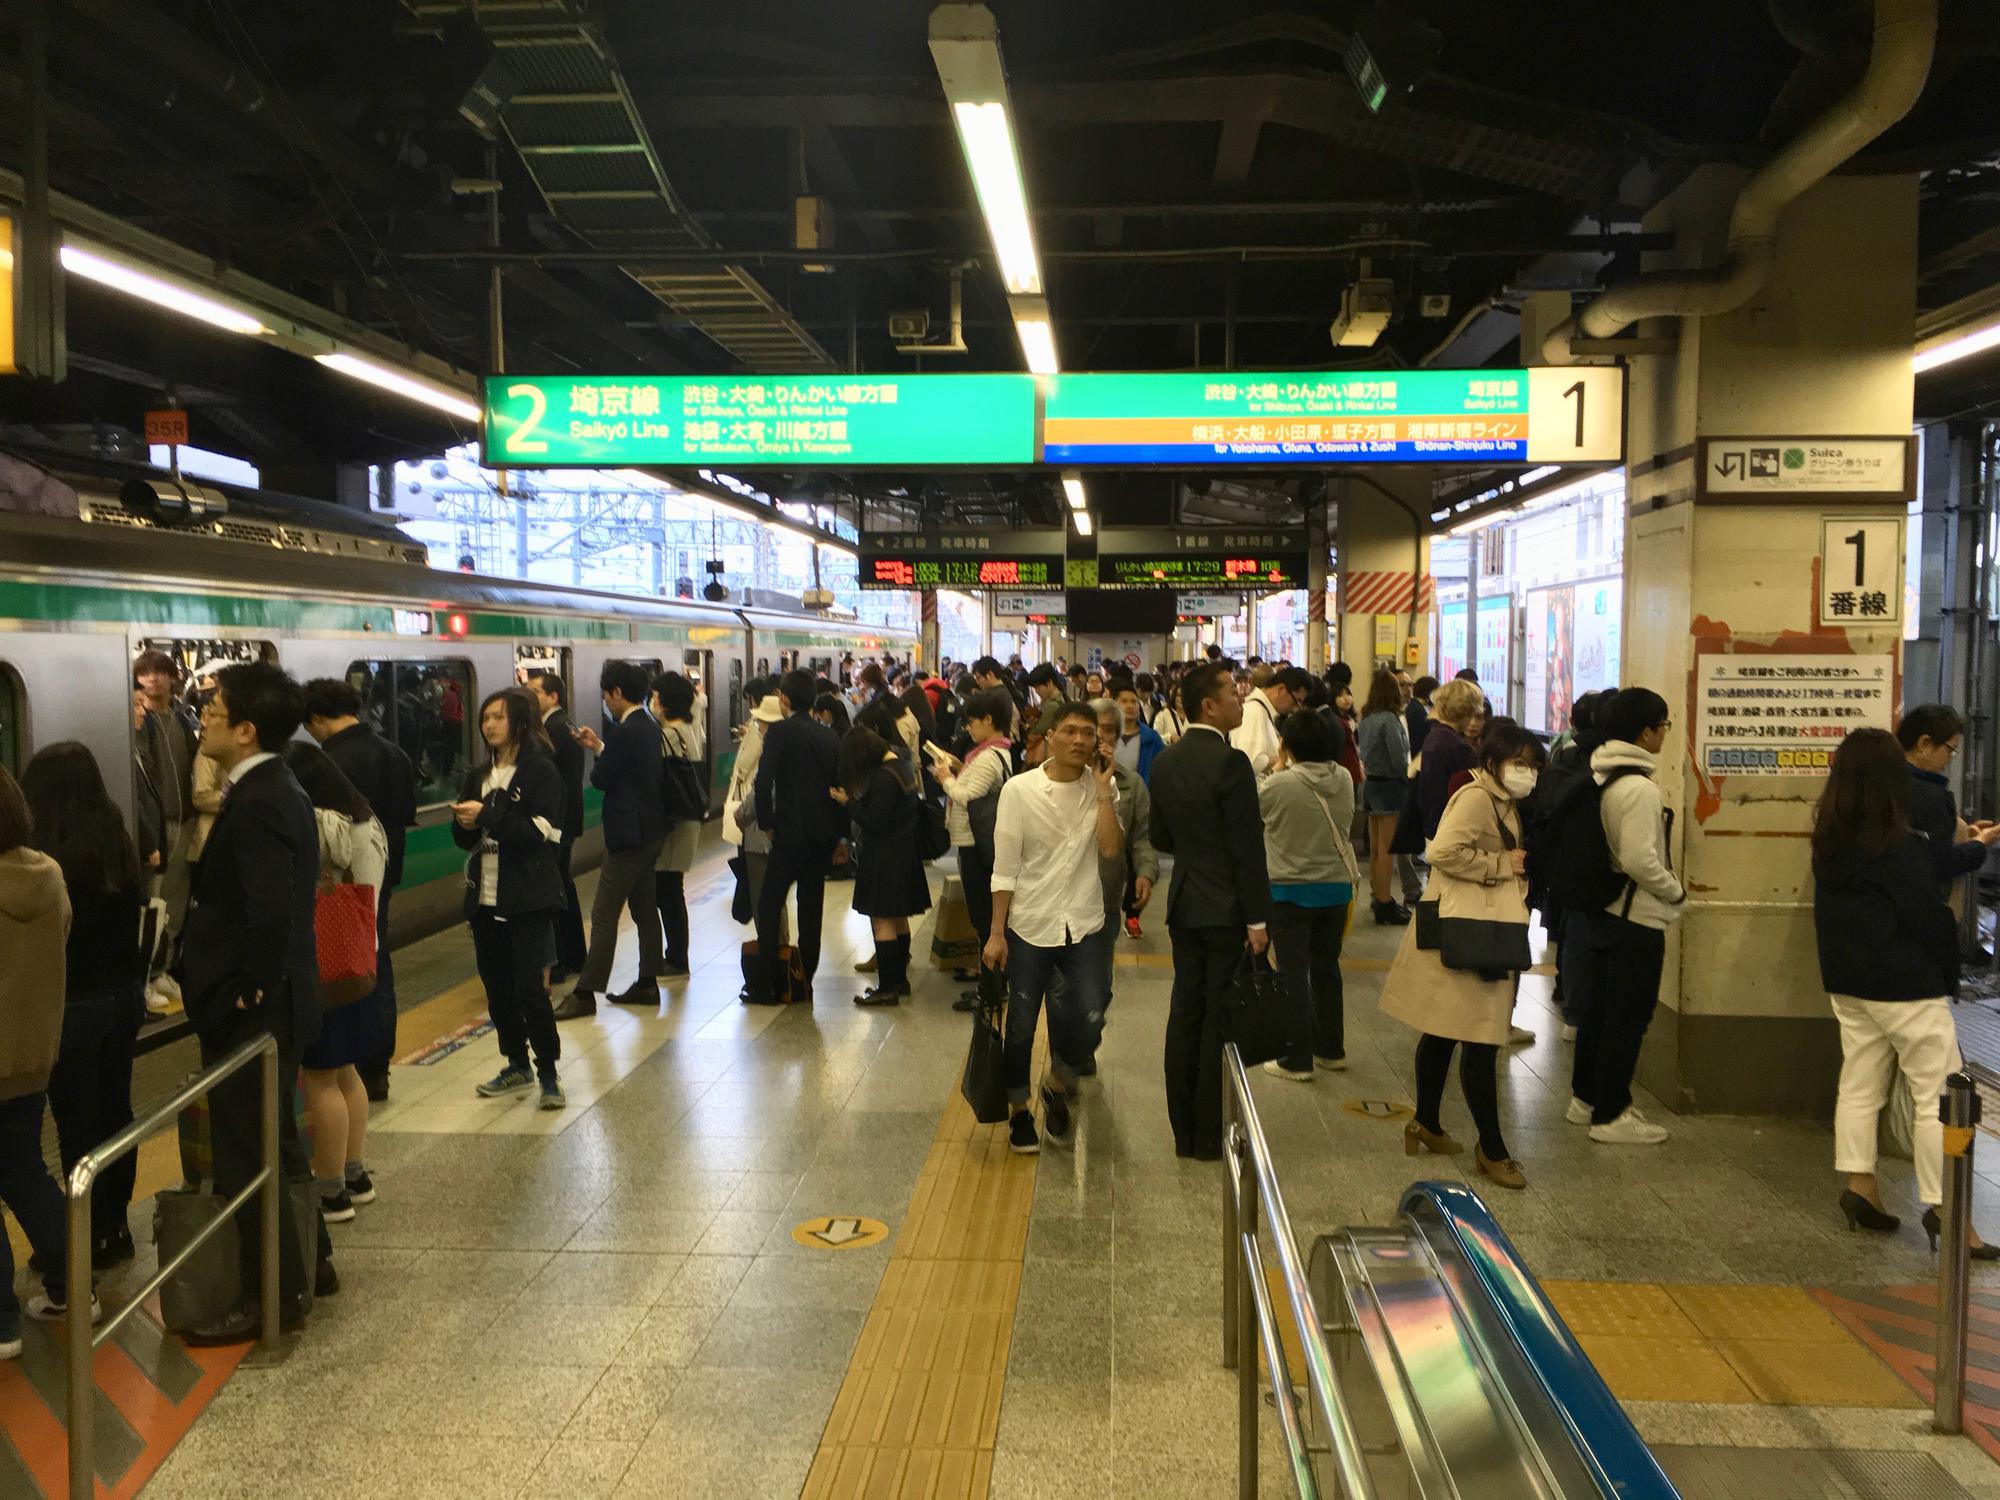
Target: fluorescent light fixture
(159,291)
(1082,519)
(1038,345)
(1950,347)
(1072,483)
(988,137)
(437,397)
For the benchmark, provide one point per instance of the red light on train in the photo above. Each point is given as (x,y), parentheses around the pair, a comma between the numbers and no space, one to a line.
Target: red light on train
(456,625)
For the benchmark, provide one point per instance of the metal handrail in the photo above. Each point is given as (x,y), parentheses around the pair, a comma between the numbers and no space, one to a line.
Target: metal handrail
(1247,1311)
(84,1339)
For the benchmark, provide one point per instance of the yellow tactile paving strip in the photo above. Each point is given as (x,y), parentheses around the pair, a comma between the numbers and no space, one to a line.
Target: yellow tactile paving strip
(1746,1345)
(919,1410)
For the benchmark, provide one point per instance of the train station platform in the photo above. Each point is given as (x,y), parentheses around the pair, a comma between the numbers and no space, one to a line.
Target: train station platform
(677,1286)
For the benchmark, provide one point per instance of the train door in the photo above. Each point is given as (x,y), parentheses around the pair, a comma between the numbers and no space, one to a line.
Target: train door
(164,767)
(531,657)
(699,666)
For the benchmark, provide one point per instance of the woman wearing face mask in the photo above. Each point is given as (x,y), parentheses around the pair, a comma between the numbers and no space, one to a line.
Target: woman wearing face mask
(1478,871)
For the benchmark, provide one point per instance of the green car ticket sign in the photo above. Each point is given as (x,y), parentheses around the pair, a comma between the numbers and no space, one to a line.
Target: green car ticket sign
(565,421)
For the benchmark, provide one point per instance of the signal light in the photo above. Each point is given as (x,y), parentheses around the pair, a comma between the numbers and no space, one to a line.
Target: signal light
(456,625)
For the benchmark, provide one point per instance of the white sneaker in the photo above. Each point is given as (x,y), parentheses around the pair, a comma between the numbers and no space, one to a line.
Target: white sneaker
(1331,1064)
(10,1348)
(167,985)
(43,1309)
(1278,1070)
(1629,1129)
(1520,1036)
(1569,1032)
(1578,1112)
(157,1003)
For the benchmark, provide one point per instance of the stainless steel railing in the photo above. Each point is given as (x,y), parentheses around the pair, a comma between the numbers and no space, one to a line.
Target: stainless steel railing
(83,1338)
(1958,1110)
(1250,1322)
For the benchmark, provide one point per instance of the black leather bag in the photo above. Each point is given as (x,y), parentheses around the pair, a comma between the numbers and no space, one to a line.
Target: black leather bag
(1256,1013)
(984,1081)
(681,791)
(1427,925)
(739,901)
(1492,950)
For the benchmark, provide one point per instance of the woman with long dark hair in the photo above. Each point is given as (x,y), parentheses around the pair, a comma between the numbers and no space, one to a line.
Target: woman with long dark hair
(831,711)
(880,789)
(90,1092)
(1478,873)
(1888,956)
(353,850)
(680,739)
(509,818)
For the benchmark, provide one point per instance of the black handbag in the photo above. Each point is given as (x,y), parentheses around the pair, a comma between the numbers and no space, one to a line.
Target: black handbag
(739,901)
(1427,920)
(681,790)
(984,1081)
(1256,1013)
(1492,950)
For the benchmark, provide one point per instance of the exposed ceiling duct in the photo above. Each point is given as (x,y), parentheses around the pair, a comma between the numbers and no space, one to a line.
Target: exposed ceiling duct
(1899,62)
(573,121)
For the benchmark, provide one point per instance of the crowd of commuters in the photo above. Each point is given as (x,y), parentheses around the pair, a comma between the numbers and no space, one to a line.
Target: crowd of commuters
(1052,789)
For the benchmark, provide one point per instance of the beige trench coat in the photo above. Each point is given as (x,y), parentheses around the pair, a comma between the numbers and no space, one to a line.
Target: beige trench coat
(1472,875)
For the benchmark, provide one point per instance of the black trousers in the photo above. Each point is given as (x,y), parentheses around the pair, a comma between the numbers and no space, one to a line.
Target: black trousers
(803,865)
(1307,940)
(975,877)
(90,1094)
(1478,1076)
(570,947)
(234,1116)
(384,999)
(511,953)
(1204,962)
(1611,971)
(625,879)
(670,895)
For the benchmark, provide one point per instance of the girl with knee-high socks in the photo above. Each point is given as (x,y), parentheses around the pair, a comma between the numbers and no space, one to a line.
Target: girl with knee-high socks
(880,789)
(1478,871)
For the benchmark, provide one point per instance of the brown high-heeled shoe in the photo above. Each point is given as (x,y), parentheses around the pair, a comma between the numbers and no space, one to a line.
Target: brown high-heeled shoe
(1504,1173)
(1434,1141)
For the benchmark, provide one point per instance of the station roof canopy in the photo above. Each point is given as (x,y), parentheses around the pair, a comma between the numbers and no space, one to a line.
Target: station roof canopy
(709,186)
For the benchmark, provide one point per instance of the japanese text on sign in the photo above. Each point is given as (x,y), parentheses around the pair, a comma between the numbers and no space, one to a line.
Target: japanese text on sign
(1785,715)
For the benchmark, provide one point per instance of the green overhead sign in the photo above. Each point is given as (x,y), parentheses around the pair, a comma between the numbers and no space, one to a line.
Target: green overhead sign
(583,421)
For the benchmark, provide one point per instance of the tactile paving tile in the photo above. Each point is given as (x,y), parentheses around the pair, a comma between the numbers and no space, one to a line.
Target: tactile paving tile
(1641,1368)
(1625,1308)
(1786,1373)
(1784,1473)
(1784,1313)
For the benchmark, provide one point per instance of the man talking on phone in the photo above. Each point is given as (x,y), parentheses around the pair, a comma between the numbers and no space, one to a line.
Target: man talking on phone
(1205,814)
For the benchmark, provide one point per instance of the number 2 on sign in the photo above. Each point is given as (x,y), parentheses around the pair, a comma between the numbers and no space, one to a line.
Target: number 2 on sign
(522,439)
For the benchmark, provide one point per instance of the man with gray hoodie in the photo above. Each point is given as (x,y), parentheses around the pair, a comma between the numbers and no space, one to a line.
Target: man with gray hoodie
(1623,946)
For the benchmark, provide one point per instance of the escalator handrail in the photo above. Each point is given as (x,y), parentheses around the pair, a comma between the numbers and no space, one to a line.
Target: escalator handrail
(1604,1436)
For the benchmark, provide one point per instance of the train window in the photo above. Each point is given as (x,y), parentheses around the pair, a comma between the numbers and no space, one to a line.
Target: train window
(425,708)
(199,659)
(532,658)
(13,738)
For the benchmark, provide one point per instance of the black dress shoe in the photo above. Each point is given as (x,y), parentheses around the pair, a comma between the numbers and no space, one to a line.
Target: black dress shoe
(575,1005)
(113,1250)
(1086,1069)
(326,1280)
(967,1002)
(243,1326)
(884,995)
(643,992)
(753,997)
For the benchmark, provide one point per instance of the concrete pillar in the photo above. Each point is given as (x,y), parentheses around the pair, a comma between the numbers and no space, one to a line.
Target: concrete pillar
(1384,557)
(1317,542)
(927,632)
(1823,350)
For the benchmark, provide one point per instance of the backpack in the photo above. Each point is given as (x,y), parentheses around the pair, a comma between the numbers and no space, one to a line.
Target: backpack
(1567,847)
(933,838)
(981,812)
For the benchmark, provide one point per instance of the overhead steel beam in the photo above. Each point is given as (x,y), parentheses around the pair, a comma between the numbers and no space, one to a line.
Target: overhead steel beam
(1235,151)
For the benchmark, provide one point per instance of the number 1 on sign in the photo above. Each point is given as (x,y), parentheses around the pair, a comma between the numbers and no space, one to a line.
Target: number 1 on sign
(1577,391)
(1859,542)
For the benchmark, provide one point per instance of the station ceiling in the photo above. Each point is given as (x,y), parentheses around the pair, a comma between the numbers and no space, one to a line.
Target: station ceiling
(1204,177)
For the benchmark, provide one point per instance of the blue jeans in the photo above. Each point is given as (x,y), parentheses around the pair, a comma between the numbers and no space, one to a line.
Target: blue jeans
(27,1189)
(1102,948)
(1032,973)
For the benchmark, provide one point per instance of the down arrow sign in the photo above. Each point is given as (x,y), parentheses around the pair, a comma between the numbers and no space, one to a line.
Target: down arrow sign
(838,1231)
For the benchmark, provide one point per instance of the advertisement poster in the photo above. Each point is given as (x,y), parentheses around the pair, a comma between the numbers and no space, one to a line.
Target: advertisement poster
(1759,715)
(1535,662)
(1451,642)
(1493,642)
(1594,657)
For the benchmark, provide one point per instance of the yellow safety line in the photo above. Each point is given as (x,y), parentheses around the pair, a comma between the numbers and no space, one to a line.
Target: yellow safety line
(919,1410)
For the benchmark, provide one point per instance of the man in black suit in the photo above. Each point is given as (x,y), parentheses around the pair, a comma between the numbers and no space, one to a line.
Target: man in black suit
(382,774)
(1205,813)
(795,778)
(629,772)
(251,966)
(549,692)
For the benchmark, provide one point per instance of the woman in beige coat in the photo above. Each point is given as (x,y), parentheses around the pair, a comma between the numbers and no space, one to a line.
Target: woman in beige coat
(1478,871)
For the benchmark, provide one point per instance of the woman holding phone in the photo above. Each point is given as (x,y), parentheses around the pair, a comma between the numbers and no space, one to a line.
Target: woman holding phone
(890,886)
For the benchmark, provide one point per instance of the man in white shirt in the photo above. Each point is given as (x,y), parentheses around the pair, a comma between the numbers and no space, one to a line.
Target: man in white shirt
(1270,699)
(1052,827)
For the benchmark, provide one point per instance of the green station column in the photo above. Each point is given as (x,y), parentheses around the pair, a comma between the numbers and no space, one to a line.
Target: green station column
(1383,554)
(1763,600)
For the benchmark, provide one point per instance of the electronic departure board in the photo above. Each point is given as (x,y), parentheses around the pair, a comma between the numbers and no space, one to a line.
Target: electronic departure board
(890,571)
(1225,557)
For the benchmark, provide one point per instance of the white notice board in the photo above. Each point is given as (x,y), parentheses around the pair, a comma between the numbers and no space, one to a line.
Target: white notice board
(1762,715)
